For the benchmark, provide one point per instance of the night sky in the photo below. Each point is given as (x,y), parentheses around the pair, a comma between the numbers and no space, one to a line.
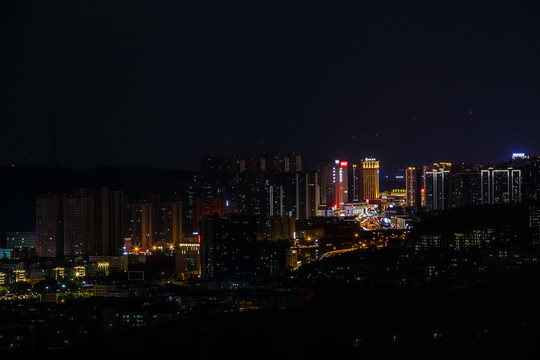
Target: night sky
(160,84)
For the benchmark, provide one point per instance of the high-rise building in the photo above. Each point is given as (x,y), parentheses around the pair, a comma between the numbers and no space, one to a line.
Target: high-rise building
(79,224)
(226,243)
(530,175)
(141,224)
(49,236)
(110,222)
(354,179)
(170,222)
(334,184)
(187,258)
(465,185)
(152,222)
(204,206)
(500,186)
(437,190)
(368,179)
(413,187)
(307,194)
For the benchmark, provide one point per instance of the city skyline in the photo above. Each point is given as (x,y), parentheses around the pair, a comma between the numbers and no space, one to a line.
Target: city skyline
(279,180)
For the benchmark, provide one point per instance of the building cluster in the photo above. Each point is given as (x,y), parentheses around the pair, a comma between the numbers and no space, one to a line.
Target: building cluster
(241,200)
(278,185)
(443,186)
(230,249)
(86,223)
(269,193)
(240,215)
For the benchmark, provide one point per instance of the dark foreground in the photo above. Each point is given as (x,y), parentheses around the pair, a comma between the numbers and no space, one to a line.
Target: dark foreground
(498,318)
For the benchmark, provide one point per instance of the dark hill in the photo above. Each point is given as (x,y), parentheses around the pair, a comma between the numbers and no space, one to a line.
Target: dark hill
(478,217)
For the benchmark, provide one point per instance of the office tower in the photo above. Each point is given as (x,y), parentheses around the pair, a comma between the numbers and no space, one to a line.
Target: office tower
(413,187)
(49,236)
(226,245)
(500,186)
(368,179)
(79,224)
(334,184)
(437,186)
(20,239)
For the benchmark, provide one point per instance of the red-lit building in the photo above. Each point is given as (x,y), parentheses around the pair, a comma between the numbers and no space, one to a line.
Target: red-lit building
(202,207)
(334,184)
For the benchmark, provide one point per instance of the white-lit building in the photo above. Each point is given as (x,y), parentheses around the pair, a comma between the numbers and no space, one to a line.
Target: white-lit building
(334,184)
(500,186)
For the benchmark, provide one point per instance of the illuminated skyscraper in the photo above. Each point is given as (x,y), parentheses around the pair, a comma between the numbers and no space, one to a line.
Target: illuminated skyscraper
(368,179)
(530,175)
(500,186)
(334,188)
(437,191)
(354,183)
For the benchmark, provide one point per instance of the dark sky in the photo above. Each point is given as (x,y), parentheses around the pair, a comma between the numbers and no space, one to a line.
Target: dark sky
(161,83)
